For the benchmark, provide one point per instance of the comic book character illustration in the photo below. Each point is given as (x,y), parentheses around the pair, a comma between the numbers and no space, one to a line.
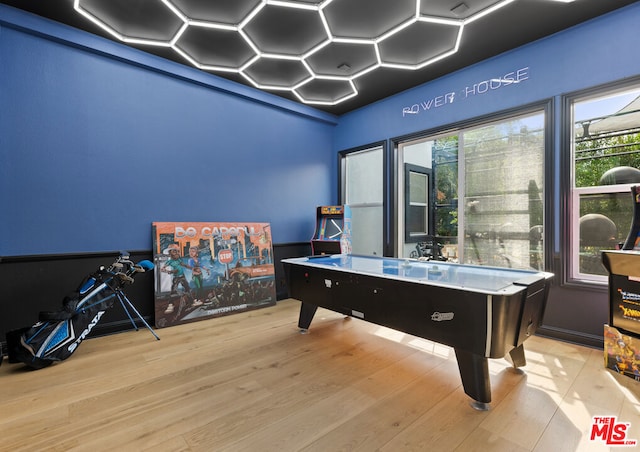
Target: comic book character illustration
(197,278)
(622,353)
(175,267)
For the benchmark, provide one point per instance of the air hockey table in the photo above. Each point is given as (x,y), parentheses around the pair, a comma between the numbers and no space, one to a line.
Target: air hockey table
(481,312)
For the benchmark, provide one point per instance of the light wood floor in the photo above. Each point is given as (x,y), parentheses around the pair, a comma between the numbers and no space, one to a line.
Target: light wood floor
(252,382)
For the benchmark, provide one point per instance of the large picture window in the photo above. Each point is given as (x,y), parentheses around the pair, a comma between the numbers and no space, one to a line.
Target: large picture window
(605,160)
(487,202)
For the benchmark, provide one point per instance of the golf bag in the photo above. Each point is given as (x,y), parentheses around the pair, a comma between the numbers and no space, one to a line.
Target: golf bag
(57,335)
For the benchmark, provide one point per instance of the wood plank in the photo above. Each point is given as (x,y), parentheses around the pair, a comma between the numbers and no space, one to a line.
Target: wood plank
(251,381)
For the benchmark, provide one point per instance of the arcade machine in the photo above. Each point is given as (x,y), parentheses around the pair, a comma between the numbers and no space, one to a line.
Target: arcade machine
(333,231)
(622,334)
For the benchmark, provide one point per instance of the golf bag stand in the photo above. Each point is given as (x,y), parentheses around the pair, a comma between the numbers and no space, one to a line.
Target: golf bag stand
(58,334)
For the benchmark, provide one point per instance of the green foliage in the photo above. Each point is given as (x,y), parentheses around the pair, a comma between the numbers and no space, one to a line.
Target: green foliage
(446,181)
(596,156)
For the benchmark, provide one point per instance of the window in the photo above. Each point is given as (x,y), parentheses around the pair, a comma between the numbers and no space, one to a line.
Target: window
(362,189)
(605,160)
(487,203)
(418,203)
(427,206)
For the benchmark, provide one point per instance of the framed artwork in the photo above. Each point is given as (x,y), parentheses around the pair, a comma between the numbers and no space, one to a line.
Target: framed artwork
(206,270)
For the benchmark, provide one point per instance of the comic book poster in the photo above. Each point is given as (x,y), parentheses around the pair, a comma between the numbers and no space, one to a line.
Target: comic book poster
(208,270)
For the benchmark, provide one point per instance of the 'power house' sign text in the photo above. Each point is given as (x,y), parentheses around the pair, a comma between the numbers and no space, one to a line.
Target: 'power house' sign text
(485,86)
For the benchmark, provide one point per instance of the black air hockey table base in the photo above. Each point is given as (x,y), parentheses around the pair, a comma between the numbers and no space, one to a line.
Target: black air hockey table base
(482,312)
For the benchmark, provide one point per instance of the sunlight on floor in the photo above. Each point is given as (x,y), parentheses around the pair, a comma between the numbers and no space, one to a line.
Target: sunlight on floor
(434,348)
(417,343)
(388,333)
(628,394)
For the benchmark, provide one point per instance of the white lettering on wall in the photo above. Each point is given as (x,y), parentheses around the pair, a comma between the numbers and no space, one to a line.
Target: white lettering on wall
(475,89)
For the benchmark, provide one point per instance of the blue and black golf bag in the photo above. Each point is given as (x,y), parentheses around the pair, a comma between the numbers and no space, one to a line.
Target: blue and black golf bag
(58,334)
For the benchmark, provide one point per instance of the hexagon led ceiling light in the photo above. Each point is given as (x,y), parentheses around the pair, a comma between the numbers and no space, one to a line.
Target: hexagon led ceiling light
(315,49)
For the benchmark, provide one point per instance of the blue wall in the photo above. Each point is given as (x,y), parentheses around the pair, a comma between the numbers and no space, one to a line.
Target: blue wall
(98,140)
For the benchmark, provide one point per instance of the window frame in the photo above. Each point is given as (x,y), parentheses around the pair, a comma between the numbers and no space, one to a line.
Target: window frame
(569,205)
(342,185)
(412,236)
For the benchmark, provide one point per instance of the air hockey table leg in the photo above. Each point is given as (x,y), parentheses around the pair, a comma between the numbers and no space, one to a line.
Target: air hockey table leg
(474,371)
(307,311)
